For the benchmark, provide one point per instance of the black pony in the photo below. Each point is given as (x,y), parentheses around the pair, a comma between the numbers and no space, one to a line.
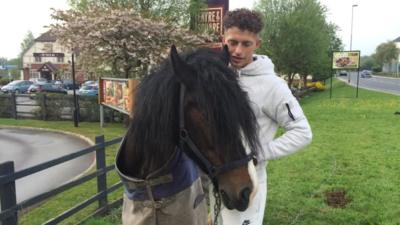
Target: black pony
(192,107)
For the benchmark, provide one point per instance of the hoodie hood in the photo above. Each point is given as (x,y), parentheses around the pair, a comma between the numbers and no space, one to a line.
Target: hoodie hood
(261,66)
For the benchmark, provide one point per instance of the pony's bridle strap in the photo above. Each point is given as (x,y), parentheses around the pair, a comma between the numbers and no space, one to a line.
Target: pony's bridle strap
(187,144)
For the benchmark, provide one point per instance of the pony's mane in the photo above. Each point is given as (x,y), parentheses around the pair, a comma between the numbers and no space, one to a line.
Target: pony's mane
(153,133)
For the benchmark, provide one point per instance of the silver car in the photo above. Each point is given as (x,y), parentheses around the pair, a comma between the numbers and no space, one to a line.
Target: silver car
(17,86)
(366,74)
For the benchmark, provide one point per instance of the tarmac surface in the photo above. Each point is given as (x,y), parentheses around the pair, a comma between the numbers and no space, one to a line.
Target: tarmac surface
(376,83)
(29,147)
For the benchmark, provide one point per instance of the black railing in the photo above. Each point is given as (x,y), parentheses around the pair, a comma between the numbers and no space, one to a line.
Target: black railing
(8,176)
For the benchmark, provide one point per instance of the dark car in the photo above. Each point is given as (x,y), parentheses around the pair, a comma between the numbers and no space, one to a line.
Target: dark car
(366,74)
(69,85)
(343,73)
(47,87)
(17,86)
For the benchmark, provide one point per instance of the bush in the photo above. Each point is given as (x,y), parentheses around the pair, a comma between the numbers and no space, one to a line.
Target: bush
(4,81)
(318,85)
(88,108)
(5,105)
(56,106)
(61,107)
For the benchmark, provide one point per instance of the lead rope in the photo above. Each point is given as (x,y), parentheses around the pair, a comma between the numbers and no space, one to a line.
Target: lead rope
(217,206)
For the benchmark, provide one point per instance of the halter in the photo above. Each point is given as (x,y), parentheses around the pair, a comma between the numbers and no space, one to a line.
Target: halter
(187,144)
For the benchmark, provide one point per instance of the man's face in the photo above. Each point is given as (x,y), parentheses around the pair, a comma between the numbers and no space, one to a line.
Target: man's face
(241,44)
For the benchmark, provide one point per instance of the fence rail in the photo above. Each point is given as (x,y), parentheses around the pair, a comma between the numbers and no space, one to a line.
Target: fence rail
(8,176)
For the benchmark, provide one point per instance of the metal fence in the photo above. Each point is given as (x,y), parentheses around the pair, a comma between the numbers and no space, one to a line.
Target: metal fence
(10,208)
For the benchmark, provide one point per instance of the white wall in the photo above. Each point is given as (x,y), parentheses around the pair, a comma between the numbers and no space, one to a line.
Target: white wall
(45,47)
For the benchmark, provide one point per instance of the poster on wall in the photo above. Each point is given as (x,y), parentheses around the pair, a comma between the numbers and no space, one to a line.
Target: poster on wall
(346,60)
(117,93)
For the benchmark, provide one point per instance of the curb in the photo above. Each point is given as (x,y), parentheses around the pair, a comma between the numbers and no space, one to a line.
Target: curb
(84,138)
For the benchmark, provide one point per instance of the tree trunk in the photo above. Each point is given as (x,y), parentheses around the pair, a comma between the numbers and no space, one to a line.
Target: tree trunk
(305,81)
(290,79)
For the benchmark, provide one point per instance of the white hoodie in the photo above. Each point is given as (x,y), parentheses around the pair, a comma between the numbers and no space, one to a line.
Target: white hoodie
(274,106)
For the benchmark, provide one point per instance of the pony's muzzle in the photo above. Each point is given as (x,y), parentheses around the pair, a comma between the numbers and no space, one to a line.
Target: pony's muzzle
(241,203)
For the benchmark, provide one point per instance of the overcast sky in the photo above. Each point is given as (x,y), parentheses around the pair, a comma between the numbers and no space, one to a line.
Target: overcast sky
(374,21)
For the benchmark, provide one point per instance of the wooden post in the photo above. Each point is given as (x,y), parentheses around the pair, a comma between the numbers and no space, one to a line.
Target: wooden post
(101,115)
(101,179)
(14,105)
(44,107)
(8,196)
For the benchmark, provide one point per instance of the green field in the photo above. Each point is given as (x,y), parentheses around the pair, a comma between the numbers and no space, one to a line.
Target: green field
(355,150)
(355,156)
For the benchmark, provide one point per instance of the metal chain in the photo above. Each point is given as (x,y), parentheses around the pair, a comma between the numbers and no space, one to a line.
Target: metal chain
(217,206)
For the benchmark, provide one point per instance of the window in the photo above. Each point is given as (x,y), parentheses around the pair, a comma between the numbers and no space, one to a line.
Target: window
(38,59)
(60,59)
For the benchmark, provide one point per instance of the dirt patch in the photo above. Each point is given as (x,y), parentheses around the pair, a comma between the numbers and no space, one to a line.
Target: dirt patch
(337,198)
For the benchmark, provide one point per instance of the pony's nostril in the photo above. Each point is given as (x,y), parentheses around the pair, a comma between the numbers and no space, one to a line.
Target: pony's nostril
(245,194)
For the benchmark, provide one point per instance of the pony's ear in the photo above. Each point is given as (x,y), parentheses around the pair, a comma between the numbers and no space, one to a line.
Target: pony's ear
(225,54)
(181,68)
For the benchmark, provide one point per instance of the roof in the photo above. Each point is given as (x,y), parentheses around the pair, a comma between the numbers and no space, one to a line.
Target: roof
(47,67)
(397,39)
(46,37)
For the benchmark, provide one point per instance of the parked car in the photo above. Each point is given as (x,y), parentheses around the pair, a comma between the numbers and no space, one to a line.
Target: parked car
(17,86)
(69,85)
(39,80)
(47,87)
(88,90)
(90,82)
(366,74)
(343,73)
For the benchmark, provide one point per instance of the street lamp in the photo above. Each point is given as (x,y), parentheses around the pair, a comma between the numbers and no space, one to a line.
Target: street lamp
(351,32)
(76,106)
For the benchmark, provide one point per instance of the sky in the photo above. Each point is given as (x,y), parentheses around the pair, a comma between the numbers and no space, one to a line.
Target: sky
(374,22)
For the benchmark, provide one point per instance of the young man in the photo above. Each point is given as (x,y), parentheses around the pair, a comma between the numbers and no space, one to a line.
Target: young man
(273,104)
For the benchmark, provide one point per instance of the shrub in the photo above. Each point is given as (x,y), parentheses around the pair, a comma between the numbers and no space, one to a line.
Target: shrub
(4,81)
(61,107)
(5,105)
(53,106)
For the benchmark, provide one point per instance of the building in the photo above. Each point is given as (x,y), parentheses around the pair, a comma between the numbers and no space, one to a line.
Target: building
(48,59)
(393,67)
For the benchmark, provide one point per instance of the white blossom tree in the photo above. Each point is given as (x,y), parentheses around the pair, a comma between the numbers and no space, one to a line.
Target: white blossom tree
(119,40)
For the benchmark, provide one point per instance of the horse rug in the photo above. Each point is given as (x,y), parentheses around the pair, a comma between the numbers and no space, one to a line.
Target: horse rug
(172,195)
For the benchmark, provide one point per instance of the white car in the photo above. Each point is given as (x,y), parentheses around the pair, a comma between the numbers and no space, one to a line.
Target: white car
(366,74)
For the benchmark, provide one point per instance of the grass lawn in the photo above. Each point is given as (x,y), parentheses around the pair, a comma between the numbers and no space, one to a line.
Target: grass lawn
(355,150)
(355,155)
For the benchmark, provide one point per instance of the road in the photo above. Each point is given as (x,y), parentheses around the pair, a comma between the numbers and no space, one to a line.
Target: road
(376,83)
(28,147)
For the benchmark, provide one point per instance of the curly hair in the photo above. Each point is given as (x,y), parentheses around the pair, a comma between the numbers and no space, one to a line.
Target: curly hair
(244,19)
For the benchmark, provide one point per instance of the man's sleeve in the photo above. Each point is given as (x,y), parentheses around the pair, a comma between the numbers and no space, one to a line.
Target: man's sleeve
(286,111)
